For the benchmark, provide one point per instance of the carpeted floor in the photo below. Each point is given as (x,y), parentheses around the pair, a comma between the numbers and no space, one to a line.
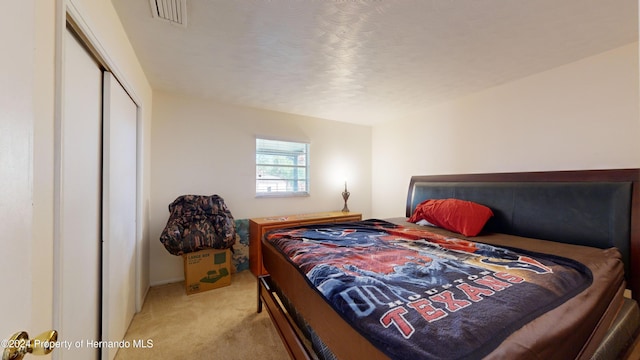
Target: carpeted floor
(216,324)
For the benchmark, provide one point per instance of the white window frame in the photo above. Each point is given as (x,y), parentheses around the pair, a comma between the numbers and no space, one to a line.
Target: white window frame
(291,185)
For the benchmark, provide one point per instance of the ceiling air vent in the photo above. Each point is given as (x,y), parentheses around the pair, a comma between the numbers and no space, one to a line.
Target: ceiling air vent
(173,11)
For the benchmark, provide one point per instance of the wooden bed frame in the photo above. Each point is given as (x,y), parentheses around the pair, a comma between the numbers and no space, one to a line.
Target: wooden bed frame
(442,186)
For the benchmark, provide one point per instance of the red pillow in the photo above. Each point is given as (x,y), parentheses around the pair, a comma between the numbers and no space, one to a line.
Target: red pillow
(464,217)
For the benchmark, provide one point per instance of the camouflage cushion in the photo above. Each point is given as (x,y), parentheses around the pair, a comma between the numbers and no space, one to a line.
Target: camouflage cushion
(198,222)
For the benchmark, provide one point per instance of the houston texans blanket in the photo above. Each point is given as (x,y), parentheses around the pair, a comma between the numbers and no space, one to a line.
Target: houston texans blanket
(419,295)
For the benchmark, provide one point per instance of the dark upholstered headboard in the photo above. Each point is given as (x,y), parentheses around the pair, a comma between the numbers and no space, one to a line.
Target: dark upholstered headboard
(592,207)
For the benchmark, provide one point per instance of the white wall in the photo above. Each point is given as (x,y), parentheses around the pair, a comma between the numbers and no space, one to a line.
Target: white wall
(203,147)
(583,115)
(28,109)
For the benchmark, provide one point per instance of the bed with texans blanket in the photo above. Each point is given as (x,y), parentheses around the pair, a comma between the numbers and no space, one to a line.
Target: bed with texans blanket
(493,266)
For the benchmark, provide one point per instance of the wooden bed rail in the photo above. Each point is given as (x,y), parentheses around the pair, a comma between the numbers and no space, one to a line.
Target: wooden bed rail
(285,325)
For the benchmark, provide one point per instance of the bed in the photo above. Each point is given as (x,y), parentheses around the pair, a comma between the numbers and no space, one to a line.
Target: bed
(578,229)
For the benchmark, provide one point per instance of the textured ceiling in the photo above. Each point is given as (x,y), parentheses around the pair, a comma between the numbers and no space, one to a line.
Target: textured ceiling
(366,61)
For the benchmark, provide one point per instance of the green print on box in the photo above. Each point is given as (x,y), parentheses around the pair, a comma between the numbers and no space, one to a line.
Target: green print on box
(213,275)
(206,270)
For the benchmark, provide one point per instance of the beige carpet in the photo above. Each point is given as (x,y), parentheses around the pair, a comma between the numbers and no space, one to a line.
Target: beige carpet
(216,324)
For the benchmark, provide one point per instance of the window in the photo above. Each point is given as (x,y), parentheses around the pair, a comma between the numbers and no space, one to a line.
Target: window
(282,168)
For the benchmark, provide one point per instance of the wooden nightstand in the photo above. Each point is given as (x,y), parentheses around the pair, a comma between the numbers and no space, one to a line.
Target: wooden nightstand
(259,226)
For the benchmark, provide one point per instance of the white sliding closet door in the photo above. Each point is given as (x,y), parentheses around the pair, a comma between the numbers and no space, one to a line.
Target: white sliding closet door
(119,212)
(77,300)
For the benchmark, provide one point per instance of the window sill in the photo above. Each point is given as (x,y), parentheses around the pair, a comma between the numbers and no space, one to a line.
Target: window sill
(282,194)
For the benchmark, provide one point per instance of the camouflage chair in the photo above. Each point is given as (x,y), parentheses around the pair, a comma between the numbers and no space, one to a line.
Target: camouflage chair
(198,222)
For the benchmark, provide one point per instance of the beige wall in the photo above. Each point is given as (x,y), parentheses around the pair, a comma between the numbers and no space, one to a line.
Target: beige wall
(583,115)
(203,147)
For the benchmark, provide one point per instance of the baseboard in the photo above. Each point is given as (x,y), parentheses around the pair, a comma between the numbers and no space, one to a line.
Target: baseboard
(165,282)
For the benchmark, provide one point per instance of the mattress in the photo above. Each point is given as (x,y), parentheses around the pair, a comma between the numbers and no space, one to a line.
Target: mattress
(571,330)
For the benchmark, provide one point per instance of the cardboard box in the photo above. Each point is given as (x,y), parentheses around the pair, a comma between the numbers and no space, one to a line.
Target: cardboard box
(206,270)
